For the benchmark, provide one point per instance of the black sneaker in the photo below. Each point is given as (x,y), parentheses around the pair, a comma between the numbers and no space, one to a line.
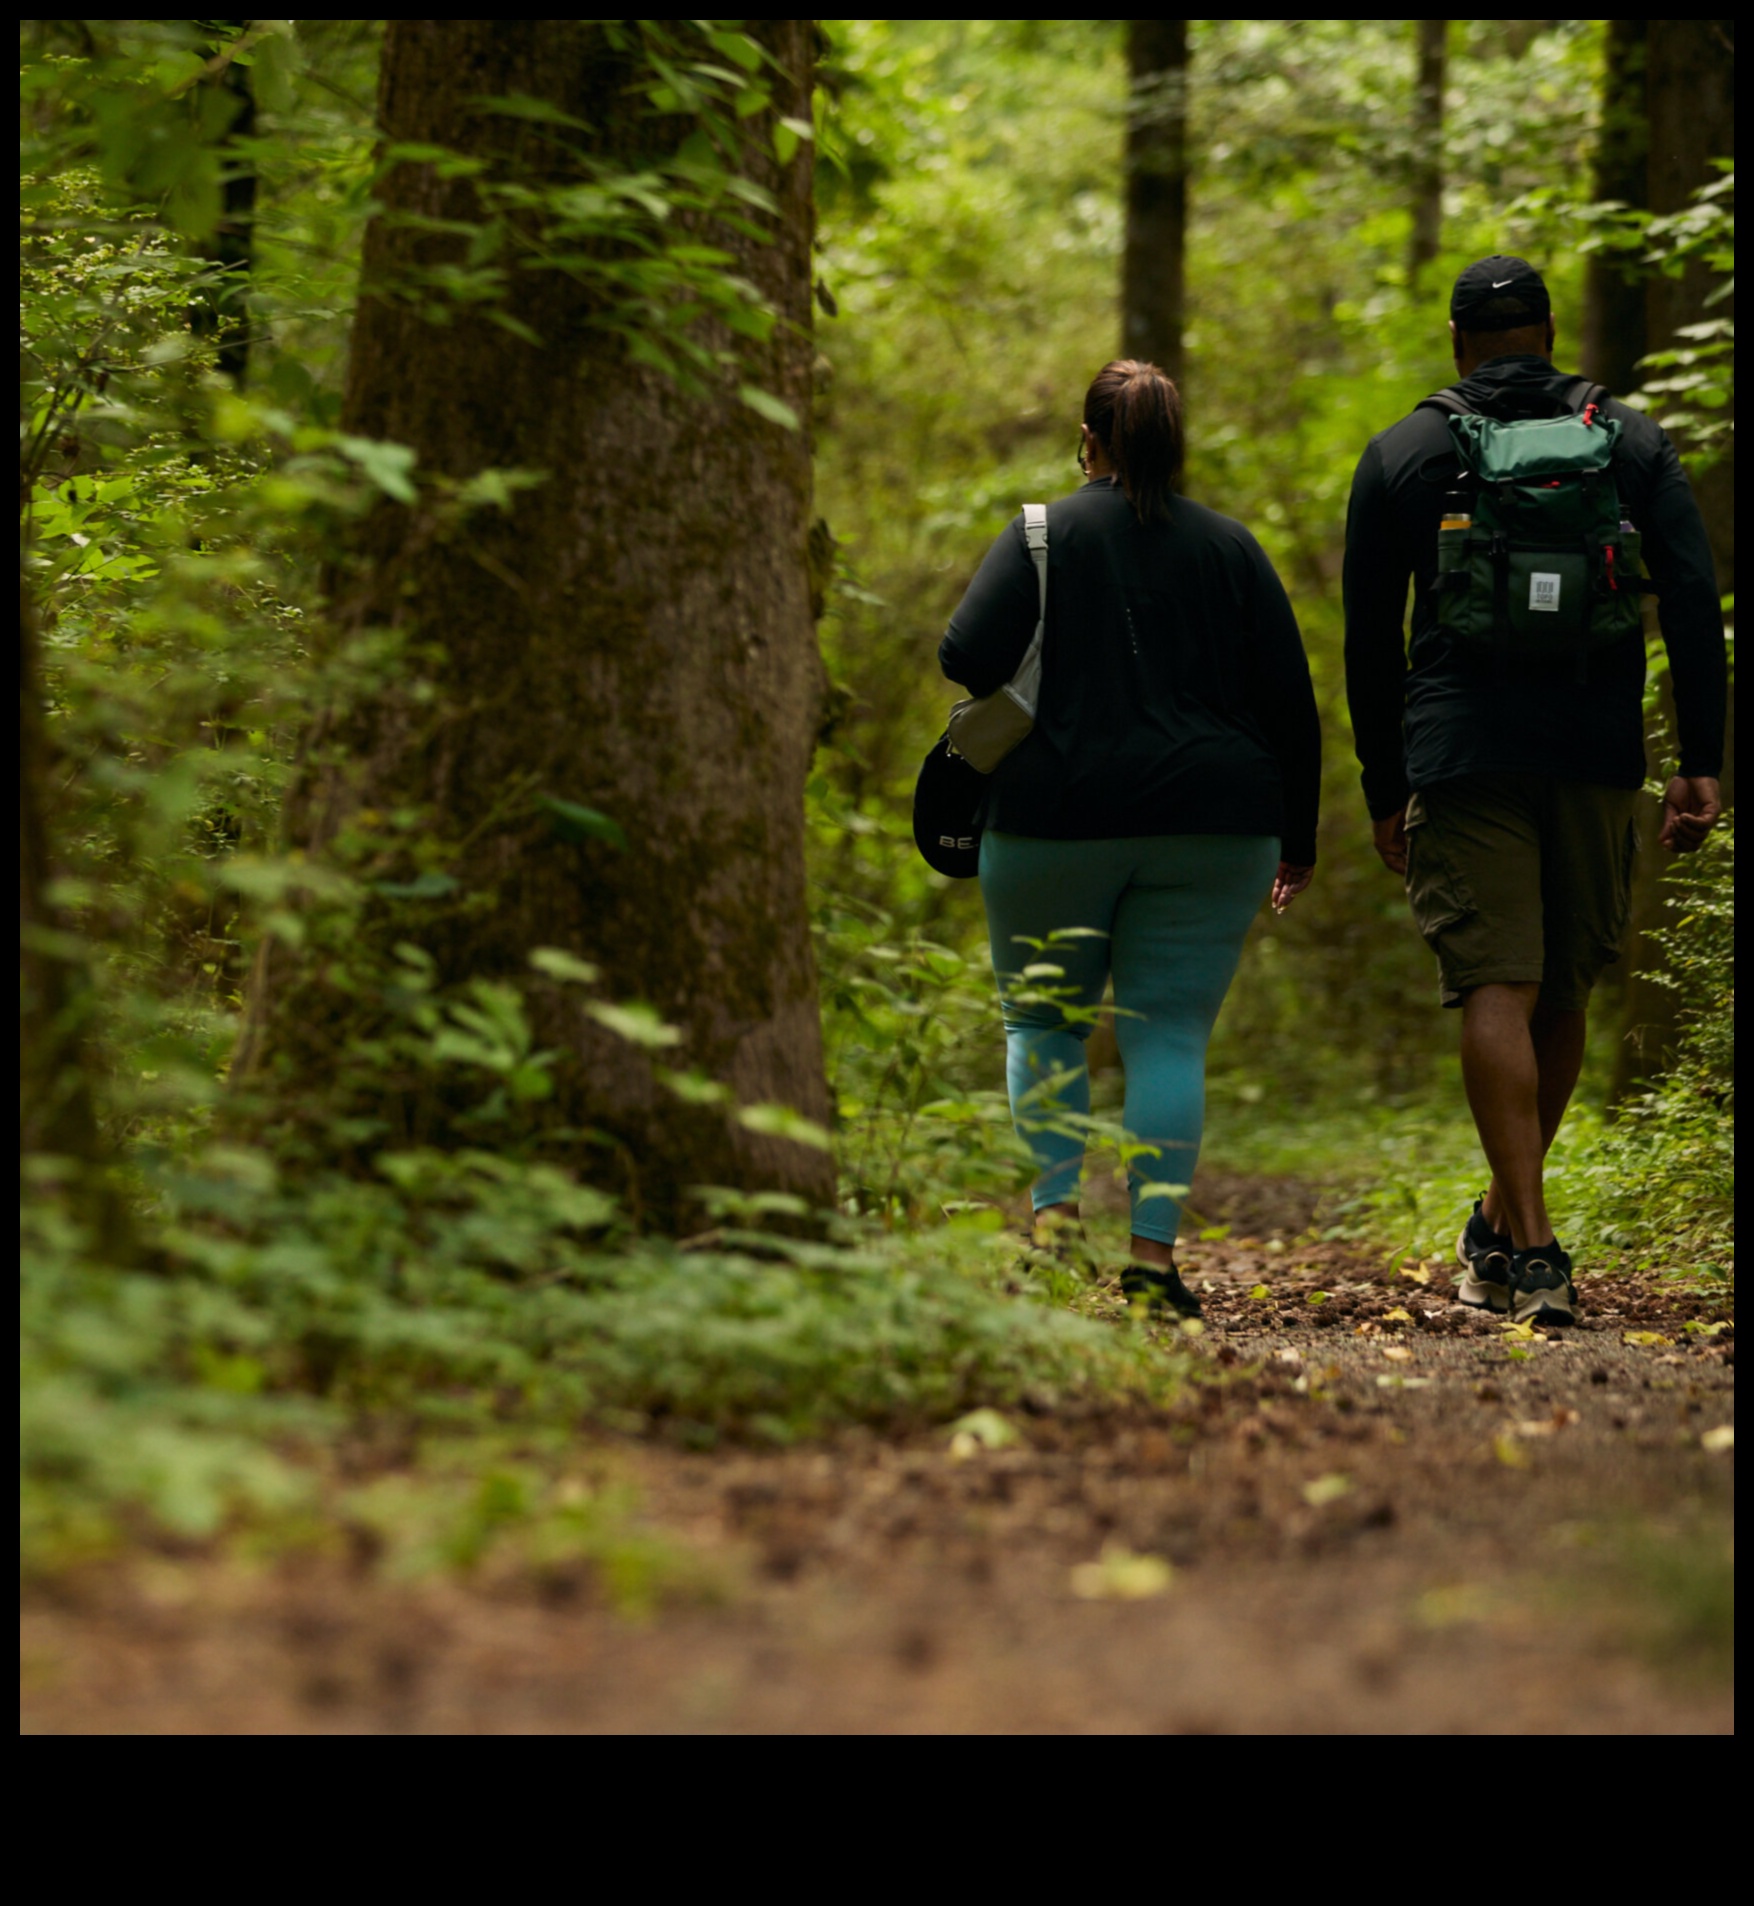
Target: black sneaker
(1485,1257)
(1541,1289)
(1160,1289)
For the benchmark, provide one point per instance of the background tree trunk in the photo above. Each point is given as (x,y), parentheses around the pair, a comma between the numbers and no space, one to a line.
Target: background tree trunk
(635,636)
(57,1118)
(1153,284)
(1612,339)
(1690,106)
(222,312)
(1427,235)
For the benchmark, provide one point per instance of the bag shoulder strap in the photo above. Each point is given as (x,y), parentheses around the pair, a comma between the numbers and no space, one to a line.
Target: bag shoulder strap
(1446,401)
(1035,533)
(1024,687)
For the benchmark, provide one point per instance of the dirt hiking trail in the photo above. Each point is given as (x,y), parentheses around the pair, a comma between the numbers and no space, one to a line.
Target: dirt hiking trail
(1372,1511)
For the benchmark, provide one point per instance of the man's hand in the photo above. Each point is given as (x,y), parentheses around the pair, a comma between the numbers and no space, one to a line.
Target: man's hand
(1288,883)
(1390,835)
(1691,805)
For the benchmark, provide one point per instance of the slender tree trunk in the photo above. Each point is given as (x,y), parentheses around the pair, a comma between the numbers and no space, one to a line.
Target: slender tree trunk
(633,636)
(1612,339)
(1427,235)
(1690,102)
(1153,289)
(222,312)
(57,1119)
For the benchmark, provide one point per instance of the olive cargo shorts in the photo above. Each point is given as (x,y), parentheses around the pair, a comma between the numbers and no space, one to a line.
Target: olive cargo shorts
(1518,877)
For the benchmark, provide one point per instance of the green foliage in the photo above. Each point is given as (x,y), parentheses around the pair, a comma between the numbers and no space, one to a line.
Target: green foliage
(1688,387)
(1676,1141)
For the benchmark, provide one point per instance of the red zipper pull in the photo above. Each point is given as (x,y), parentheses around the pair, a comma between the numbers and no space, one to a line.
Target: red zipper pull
(1608,552)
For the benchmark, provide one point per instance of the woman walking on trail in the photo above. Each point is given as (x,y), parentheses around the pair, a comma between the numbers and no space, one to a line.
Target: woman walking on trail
(1170,780)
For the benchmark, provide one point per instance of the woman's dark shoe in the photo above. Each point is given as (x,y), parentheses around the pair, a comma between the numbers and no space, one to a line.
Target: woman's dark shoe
(1162,1290)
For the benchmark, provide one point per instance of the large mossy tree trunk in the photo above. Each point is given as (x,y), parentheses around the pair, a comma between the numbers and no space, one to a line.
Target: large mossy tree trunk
(1153,279)
(1689,91)
(634,636)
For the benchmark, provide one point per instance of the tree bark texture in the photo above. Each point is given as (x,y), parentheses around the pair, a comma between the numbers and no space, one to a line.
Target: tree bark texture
(1612,339)
(1690,106)
(1427,233)
(1153,288)
(635,636)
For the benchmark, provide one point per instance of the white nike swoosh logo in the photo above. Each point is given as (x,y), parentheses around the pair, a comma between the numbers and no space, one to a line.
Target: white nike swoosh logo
(1498,284)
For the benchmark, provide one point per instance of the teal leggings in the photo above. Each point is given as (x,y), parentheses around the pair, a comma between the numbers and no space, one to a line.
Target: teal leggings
(1166,915)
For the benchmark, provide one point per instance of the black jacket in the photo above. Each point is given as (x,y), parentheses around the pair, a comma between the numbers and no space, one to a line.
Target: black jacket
(1175,693)
(1427,716)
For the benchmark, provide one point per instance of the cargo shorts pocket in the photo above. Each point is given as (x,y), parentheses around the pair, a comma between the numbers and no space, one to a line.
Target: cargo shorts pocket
(1438,894)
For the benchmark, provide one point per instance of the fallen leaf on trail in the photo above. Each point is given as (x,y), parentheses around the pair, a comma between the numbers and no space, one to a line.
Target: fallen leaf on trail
(1259,1292)
(1121,1576)
(1392,1382)
(1397,1316)
(1420,1274)
(1510,1452)
(1396,1354)
(1698,1329)
(1325,1489)
(1536,1426)
(1646,1336)
(978,1430)
(1444,1607)
(1521,1332)
(1719,1439)
(1368,1329)
(1318,1297)
(1287,1355)
(1275,1244)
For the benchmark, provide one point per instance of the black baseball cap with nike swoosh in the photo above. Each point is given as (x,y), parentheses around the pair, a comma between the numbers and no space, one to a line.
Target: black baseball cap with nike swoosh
(1499,294)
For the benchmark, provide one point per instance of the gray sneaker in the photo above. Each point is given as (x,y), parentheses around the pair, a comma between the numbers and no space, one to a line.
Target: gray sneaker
(1541,1289)
(1485,1263)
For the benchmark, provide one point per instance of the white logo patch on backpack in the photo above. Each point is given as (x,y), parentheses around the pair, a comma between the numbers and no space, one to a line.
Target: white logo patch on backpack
(1544,591)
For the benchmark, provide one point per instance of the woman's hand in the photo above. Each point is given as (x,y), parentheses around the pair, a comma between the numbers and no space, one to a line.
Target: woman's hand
(1288,883)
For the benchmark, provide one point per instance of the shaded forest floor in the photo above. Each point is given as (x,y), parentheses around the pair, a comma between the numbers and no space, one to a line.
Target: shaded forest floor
(1371,1522)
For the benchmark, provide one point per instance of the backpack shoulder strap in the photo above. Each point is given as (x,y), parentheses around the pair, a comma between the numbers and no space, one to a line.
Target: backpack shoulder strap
(1595,395)
(1446,401)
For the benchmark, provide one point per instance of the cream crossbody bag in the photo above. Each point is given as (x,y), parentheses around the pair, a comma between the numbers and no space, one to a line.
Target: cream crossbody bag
(984,729)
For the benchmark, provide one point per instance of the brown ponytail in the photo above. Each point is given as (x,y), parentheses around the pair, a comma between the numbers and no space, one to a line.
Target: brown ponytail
(1135,413)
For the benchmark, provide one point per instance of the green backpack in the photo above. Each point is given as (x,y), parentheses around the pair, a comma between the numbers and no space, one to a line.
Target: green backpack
(1536,562)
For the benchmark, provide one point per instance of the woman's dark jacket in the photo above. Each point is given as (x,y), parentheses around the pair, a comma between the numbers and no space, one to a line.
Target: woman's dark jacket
(1175,693)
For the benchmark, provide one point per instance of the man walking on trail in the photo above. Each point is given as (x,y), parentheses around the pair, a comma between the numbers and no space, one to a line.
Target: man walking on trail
(1503,754)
